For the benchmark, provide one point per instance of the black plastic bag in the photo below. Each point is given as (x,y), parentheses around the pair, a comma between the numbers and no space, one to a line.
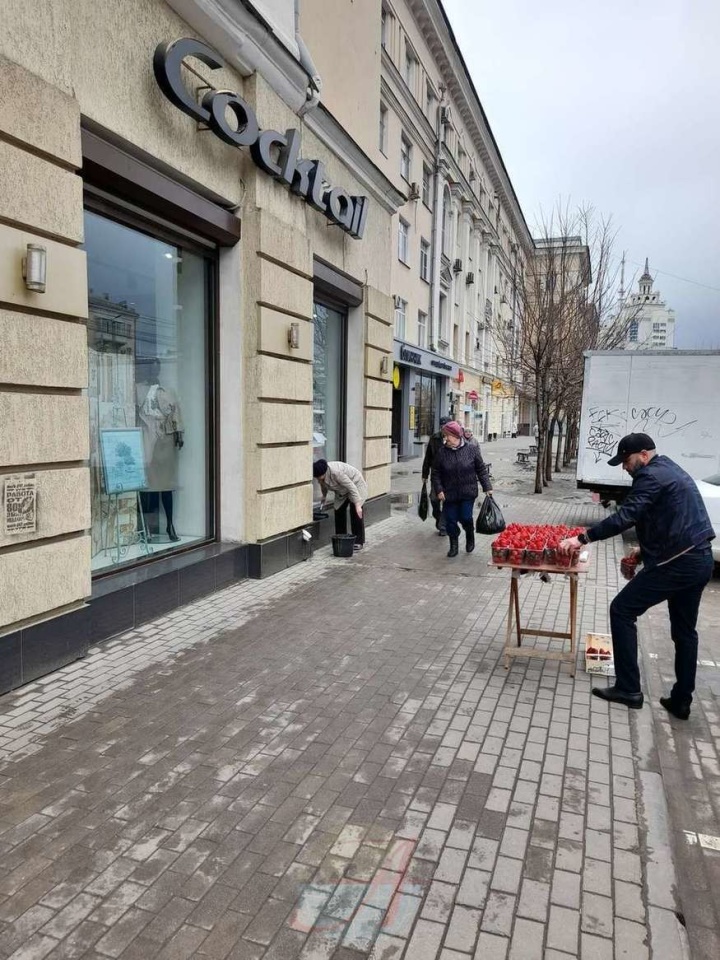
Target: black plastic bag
(424,504)
(490,519)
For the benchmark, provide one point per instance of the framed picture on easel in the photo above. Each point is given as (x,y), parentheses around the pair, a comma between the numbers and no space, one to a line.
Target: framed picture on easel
(123,460)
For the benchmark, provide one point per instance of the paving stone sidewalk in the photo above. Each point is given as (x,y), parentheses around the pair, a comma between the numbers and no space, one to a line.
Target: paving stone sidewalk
(334,763)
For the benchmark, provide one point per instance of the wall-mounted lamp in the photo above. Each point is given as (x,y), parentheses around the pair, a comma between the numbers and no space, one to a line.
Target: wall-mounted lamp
(34,267)
(294,336)
(385,365)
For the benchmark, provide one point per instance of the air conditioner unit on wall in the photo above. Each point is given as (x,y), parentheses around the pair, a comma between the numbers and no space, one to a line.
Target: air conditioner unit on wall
(470,278)
(457,266)
(414,191)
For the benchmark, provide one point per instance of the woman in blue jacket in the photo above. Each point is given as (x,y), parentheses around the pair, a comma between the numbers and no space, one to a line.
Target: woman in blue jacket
(456,469)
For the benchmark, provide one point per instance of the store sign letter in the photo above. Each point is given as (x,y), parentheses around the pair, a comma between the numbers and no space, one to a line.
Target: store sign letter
(278,154)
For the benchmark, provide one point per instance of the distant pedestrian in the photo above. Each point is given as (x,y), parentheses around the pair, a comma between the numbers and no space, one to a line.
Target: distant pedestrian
(350,489)
(535,432)
(456,470)
(674,530)
(470,437)
(433,445)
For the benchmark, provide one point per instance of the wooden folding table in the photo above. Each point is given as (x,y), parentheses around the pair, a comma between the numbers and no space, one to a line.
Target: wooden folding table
(516,649)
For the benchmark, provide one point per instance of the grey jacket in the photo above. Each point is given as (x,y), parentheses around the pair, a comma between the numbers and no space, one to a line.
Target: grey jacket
(345,481)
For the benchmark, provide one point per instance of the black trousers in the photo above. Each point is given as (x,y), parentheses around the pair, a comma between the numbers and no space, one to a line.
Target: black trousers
(357,524)
(680,582)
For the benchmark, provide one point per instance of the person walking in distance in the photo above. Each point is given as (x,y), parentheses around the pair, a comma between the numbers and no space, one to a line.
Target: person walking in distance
(457,468)
(674,531)
(350,489)
(433,445)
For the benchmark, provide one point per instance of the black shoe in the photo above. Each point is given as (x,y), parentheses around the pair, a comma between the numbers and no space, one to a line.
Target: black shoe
(171,533)
(469,537)
(676,709)
(358,546)
(613,695)
(442,532)
(453,551)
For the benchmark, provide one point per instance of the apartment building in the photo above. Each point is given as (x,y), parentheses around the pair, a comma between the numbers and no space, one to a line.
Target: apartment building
(461,240)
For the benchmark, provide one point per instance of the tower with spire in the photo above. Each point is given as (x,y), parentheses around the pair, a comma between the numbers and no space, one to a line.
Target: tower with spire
(650,323)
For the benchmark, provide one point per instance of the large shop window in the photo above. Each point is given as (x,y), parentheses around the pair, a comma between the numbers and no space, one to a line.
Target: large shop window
(329,382)
(149,337)
(426,402)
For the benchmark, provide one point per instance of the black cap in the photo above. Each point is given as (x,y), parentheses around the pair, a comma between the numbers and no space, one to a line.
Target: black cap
(632,443)
(320,468)
(444,420)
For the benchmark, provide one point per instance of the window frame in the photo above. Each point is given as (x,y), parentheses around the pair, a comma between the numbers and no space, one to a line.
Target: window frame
(404,231)
(400,314)
(425,255)
(115,208)
(405,157)
(383,128)
(427,181)
(422,341)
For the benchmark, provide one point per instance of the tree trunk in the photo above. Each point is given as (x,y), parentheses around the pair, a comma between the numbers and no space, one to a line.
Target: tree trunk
(549,452)
(558,453)
(540,449)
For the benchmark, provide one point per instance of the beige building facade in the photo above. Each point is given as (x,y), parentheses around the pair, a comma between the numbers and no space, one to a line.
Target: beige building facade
(460,241)
(196,289)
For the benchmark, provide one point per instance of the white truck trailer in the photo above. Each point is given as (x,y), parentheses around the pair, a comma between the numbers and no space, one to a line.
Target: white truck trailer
(672,395)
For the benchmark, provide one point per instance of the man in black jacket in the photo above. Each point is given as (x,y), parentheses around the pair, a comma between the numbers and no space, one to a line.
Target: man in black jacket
(456,470)
(674,531)
(433,445)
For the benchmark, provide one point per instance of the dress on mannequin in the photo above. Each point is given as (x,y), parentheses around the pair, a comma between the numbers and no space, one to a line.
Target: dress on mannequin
(160,417)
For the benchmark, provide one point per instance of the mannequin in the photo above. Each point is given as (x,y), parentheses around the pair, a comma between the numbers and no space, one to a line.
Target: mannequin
(160,417)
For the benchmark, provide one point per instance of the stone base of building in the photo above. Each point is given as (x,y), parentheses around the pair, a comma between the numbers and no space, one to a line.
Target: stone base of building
(131,598)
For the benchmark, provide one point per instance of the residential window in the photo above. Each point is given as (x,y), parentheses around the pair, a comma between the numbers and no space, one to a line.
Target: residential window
(430,102)
(405,157)
(424,260)
(403,240)
(400,317)
(658,327)
(382,133)
(633,331)
(422,329)
(385,23)
(410,67)
(427,187)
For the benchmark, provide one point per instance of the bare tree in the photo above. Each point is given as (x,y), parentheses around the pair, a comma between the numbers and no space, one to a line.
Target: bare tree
(567,303)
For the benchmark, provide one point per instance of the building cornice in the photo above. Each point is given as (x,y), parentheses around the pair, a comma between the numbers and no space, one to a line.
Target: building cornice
(440,39)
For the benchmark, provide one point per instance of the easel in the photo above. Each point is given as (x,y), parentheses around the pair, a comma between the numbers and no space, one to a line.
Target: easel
(516,649)
(143,537)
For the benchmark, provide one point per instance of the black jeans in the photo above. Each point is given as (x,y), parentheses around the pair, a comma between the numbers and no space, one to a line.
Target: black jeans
(357,524)
(680,582)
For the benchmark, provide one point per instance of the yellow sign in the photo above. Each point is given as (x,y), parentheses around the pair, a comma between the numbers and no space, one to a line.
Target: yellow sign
(411,409)
(396,377)
(498,390)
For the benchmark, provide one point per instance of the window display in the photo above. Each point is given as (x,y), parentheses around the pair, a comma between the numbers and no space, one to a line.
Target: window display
(148,337)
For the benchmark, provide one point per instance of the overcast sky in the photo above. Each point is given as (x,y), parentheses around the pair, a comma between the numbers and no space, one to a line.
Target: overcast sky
(614,103)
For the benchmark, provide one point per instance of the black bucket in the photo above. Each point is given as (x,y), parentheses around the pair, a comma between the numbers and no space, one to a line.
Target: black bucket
(342,544)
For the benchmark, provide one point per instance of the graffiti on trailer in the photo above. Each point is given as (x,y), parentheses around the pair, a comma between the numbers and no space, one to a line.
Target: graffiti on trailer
(602,442)
(609,424)
(659,422)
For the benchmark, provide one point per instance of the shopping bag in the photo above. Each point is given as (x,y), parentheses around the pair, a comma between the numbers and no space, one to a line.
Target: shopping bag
(490,519)
(424,505)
